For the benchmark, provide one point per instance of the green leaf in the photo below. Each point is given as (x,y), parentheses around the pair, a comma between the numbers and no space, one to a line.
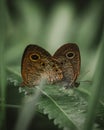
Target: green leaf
(68,111)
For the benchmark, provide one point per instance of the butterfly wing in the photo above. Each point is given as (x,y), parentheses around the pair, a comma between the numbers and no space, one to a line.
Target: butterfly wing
(68,56)
(37,64)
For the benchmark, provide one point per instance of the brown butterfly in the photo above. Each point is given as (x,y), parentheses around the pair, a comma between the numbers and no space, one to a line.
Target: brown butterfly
(61,69)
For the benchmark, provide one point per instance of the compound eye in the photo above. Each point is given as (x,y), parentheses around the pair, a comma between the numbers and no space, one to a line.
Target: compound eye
(34,57)
(70,55)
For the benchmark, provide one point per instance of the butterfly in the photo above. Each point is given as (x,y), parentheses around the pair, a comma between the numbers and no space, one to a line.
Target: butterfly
(62,68)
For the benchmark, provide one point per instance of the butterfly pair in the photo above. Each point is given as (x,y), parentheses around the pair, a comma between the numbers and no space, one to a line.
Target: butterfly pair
(62,68)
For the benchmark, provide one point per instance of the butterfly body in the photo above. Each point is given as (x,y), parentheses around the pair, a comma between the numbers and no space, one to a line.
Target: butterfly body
(62,68)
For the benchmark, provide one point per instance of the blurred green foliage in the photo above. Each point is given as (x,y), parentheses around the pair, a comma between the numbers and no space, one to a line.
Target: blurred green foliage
(50,24)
